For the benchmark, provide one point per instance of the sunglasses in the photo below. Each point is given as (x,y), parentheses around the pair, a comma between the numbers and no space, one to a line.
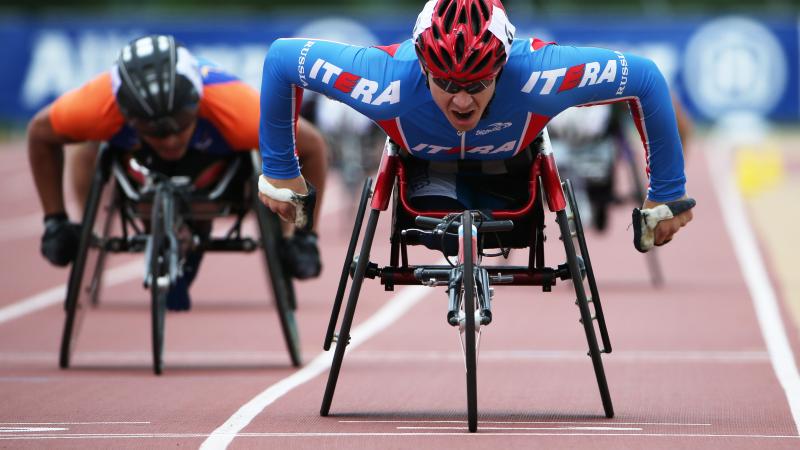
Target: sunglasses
(164,126)
(453,87)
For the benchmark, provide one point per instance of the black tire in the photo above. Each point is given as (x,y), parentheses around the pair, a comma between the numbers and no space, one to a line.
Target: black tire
(282,287)
(158,267)
(348,261)
(88,254)
(583,305)
(587,265)
(107,215)
(639,194)
(468,303)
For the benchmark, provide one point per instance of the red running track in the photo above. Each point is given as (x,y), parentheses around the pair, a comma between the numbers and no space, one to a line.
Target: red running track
(690,367)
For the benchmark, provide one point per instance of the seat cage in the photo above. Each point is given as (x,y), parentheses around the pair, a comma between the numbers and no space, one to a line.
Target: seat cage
(543,168)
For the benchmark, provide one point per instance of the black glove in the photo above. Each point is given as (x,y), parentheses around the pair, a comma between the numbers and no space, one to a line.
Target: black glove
(304,219)
(60,240)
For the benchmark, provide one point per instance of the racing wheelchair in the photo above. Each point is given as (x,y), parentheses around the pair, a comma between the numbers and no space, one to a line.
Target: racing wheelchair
(467,235)
(165,213)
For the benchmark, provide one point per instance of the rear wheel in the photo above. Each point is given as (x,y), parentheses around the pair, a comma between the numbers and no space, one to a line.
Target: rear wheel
(468,305)
(90,255)
(580,267)
(282,288)
(107,215)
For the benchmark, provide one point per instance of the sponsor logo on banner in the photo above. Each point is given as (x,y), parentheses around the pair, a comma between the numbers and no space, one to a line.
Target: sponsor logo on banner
(61,61)
(735,64)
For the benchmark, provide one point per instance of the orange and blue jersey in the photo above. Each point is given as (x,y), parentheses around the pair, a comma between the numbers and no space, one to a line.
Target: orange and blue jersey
(227,115)
(538,82)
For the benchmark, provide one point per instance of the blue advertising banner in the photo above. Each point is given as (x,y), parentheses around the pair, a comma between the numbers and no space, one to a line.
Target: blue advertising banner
(716,65)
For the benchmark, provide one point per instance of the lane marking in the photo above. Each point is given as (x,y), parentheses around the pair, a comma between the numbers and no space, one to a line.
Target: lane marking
(388,314)
(528,422)
(403,356)
(462,434)
(112,277)
(74,423)
(754,270)
(566,355)
(29,429)
(123,358)
(528,428)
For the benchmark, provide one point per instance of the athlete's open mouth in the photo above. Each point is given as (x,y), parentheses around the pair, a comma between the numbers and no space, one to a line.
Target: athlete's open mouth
(463,116)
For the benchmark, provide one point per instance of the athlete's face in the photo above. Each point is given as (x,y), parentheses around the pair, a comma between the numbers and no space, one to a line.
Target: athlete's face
(462,109)
(172,146)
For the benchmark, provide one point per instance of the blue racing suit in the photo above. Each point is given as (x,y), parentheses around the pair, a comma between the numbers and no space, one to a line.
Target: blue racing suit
(539,80)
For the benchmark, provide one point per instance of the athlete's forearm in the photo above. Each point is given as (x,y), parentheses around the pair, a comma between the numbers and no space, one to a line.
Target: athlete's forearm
(46,158)
(658,128)
(313,153)
(280,100)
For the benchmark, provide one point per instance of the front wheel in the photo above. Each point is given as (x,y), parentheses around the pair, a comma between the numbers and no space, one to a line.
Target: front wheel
(158,267)
(468,306)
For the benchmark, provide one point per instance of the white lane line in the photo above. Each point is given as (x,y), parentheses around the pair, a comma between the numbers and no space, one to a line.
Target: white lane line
(74,423)
(529,422)
(117,275)
(758,282)
(402,356)
(29,429)
(174,357)
(404,300)
(463,434)
(566,355)
(528,428)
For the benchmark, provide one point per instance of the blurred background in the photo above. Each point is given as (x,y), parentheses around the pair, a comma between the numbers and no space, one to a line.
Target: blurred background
(720,56)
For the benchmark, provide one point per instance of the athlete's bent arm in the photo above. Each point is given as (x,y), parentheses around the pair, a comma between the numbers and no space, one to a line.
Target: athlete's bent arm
(291,66)
(46,158)
(312,152)
(594,76)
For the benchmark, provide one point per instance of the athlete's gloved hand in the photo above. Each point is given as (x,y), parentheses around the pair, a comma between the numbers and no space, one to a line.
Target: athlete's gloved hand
(655,223)
(60,240)
(293,200)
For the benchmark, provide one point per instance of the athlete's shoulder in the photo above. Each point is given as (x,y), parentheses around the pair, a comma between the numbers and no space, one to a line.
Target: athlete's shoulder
(403,51)
(89,112)
(211,73)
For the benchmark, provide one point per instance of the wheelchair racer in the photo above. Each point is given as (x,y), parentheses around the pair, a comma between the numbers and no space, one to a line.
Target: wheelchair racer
(463,88)
(158,98)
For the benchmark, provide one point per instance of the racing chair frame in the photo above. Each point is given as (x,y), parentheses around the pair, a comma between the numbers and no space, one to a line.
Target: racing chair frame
(544,183)
(150,220)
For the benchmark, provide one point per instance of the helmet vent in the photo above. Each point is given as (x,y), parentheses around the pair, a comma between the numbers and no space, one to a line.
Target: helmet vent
(484,9)
(487,36)
(475,19)
(448,62)
(450,16)
(442,6)
(462,17)
(436,61)
(471,59)
(460,47)
(483,62)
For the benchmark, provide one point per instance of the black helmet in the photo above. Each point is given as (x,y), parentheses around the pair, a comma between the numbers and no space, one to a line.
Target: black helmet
(158,85)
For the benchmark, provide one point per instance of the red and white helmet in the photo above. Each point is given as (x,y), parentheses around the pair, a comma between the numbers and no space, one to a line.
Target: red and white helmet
(463,40)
